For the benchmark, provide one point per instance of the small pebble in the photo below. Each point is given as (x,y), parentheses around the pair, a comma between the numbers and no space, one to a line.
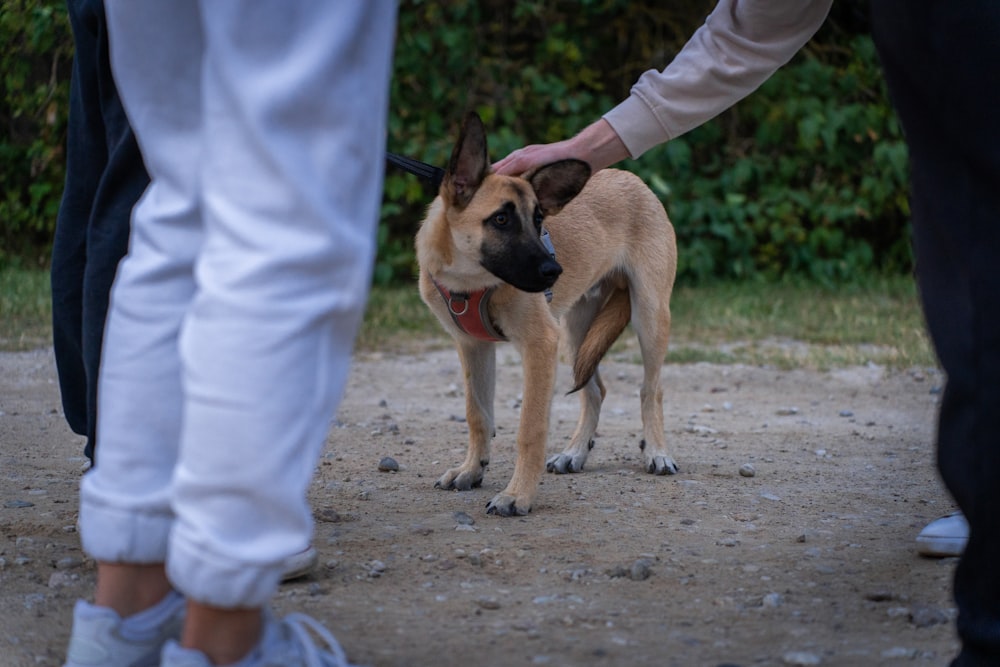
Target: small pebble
(464,519)
(897,652)
(388,464)
(801,658)
(772,600)
(62,579)
(640,570)
(747,470)
(924,617)
(488,603)
(18,504)
(375,569)
(328,515)
(68,563)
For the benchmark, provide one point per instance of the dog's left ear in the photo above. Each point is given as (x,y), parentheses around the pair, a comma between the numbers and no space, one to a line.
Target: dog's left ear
(557,183)
(469,163)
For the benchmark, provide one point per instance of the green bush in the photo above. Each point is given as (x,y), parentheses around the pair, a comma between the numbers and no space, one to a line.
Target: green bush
(806,177)
(35,62)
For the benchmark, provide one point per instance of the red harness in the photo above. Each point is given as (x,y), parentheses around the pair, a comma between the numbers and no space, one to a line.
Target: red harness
(470,312)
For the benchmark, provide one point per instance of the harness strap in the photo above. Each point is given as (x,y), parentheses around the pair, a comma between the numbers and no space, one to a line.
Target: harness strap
(470,312)
(547,242)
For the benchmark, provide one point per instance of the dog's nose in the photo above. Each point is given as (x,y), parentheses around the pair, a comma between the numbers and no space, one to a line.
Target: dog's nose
(550,269)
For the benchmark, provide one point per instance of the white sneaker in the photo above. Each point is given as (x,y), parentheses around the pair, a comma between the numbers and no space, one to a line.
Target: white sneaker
(300,564)
(944,537)
(286,643)
(101,638)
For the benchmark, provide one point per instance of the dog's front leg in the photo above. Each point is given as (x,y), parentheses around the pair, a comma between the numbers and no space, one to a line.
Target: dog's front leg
(479,367)
(539,357)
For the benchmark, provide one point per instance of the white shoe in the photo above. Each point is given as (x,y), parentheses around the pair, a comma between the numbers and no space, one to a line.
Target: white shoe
(286,643)
(101,638)
(944,537)
(300,564)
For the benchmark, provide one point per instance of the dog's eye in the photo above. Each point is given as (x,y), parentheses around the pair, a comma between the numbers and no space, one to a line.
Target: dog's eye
(500,219)
(539,217)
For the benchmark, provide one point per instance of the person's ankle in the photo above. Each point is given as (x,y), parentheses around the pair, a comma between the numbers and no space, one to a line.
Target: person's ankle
(225,636)
(130,588)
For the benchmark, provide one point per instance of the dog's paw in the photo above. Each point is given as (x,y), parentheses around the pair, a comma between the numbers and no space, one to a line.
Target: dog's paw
(661,465)
(564,463)
(458,479)
(507,505)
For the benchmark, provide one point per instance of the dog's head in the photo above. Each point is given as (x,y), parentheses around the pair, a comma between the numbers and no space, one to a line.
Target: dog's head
(500,217)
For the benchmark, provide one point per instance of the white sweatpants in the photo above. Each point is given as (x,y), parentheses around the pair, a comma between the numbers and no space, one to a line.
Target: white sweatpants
(232,317)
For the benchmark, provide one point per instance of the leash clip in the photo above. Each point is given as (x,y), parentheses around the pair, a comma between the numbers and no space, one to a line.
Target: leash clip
(462,299)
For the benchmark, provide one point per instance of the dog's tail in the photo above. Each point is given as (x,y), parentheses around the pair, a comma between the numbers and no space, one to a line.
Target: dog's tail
(608,324)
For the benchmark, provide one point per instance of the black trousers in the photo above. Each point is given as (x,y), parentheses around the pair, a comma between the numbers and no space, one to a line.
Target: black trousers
(105,177)
(942,63)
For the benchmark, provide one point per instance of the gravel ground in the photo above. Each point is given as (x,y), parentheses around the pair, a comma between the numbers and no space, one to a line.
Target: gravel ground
(787,538)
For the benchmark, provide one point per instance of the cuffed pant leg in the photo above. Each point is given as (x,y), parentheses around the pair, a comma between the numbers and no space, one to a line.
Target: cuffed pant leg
(295,105)
(125,511)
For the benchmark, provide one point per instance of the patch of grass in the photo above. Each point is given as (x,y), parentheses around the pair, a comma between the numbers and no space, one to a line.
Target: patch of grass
(396,319)
(783,325)
(786,325)
(25,309)
(794,325)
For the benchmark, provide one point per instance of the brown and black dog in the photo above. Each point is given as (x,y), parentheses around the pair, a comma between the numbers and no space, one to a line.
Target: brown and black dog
(487,274)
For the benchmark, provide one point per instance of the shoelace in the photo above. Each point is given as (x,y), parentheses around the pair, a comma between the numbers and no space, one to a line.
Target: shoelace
(299,625)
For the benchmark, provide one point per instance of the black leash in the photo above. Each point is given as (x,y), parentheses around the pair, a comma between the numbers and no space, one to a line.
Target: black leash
(428,172)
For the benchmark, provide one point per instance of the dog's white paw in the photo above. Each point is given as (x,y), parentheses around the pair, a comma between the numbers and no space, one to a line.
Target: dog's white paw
(507,505)
(658,464)
(564,463)
(661,465)
(459,479)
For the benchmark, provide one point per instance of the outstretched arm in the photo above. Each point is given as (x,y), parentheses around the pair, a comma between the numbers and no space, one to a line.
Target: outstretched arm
(740,45)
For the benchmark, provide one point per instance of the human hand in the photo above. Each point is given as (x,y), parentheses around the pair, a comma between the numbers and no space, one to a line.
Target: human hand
(527,158)
(598,145)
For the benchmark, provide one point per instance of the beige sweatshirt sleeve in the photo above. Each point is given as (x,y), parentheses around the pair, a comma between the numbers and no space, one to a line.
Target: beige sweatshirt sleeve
(741,44)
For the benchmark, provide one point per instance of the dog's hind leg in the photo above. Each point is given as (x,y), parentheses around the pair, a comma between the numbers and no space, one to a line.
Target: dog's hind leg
(479,367)
(651,321)
(572,459)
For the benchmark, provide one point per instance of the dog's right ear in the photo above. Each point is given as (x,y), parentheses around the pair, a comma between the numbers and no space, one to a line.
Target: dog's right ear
(469,163)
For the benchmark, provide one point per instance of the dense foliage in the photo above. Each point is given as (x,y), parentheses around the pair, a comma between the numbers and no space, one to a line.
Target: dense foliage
(35,64)
(805,177)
